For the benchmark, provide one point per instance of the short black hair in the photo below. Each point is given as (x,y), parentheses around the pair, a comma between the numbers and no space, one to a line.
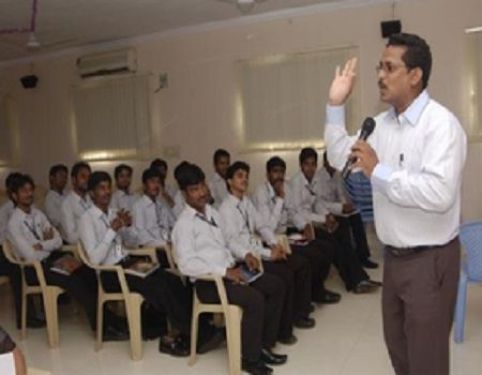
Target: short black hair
(236,166)
(10,178)
(96,178)
(20,181)
(150,173)
(54,169)
(220,153)
(307,153)
(122,167)
(187,174)
(417,54)
(159,163)
(77,167)
(274,162)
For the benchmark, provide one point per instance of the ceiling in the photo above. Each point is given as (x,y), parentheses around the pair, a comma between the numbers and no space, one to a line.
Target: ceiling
(62,24)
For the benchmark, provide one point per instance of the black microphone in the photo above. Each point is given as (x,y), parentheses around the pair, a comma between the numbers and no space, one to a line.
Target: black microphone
(367,129)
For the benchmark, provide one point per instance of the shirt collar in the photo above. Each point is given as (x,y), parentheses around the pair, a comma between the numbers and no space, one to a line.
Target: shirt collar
(271,191)
(98,212)
(414,111)
(148,201)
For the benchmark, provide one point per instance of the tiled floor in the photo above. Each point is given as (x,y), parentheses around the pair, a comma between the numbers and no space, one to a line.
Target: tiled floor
(347,340)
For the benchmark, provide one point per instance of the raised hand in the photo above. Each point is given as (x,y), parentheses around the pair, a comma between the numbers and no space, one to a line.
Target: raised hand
(342,84)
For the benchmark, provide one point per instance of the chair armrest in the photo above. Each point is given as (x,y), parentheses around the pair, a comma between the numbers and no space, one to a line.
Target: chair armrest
(218,280)
(283,240)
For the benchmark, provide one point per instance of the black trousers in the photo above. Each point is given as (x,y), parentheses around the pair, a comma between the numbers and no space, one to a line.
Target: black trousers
(320,255)
(262,303)
(161,289)
(357,227)
(81,285)
(295,272)
(346,259)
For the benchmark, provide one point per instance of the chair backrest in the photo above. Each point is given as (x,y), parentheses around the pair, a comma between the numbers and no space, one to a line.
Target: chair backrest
(471,239)
(10,254)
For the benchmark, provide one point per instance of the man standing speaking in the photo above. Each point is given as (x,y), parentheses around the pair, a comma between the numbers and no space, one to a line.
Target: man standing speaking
(414,159)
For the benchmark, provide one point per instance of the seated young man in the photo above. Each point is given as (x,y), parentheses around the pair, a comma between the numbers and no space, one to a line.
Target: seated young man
(273,201)
(33,238)
(241,223)
(122,198)
(12,270)
(103,232)
(200,249)
(332,194)
(303,187)
(17,360)
(153,220)
(75,203)
(166,192)
(58,175)
(217,184)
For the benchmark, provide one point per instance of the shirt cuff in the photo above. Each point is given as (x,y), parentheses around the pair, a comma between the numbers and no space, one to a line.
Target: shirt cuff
(335,114)
(381,177)
(219,270)
(109,235)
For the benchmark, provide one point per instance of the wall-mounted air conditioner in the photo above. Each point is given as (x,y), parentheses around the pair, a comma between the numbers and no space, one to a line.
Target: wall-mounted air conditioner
(112,62)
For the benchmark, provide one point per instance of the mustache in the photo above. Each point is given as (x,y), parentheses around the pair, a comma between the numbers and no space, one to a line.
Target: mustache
(381,85)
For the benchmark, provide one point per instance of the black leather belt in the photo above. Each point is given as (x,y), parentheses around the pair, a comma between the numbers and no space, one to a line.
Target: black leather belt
(405,251)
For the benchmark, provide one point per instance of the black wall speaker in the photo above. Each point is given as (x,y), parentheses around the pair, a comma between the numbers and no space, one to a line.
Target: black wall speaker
(29,82)
(390,27)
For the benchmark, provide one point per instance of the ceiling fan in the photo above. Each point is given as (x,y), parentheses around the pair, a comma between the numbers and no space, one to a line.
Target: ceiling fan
(244,6)
(33,41)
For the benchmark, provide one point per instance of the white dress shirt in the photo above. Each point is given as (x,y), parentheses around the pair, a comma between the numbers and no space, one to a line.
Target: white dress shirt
(218,189)
(122,200)
(277,212)
(103,245)
(241,221)
(303,198)
(416,184)
(53,203)
(5,212)
(72,208)
(330,192)
(153,222)
(26,230)
(200,247)
(179,204)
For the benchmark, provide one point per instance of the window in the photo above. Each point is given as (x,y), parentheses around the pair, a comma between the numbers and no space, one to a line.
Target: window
(112,118)
(283,98)
(8,132)
(474,77)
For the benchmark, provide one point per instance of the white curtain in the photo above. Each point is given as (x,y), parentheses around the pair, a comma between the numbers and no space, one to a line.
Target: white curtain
(112,118)
(474,61)
(284,97)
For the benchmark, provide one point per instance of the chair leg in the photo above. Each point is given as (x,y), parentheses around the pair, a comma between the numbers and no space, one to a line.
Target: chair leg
(194,332)
(233,333)
(23,323)
(133,306)
(100,323)
(459,318)
(51,315)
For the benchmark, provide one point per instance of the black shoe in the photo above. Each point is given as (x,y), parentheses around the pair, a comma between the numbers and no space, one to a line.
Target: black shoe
(256,368)
(367,263)
(113,334)
(375,283)
(312,308)
(291,340)
(176,348)
(270,358)
(328,297)
(214,341)
(364,287)
(304,323)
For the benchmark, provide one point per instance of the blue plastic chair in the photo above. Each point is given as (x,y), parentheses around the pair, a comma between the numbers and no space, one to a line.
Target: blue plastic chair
(471,240)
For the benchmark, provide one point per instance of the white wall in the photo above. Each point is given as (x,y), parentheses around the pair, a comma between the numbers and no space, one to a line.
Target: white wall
(197,112)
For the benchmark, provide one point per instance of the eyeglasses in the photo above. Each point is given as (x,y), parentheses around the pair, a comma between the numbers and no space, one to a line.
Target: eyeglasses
(388,67)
